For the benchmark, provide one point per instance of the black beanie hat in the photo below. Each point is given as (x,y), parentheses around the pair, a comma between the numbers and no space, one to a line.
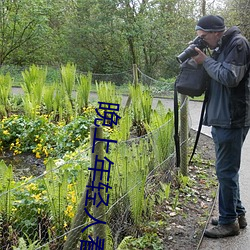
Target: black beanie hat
(211,23)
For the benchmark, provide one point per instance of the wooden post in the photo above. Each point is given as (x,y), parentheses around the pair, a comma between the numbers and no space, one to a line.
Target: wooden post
(184,135)
(98,212)
(81,217)
(135,74)
(135,82)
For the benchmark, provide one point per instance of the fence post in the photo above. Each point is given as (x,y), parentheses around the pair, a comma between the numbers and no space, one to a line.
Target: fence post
(184,135)
(80,218)
(135,82)
(98,212)
(135,74)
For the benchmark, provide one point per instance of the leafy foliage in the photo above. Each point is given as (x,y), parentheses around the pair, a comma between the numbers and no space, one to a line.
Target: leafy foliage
(51,202)
(6,184)
(83,90)
(102,36)
(34,81)
(5,90)
(42,137)
(161,127)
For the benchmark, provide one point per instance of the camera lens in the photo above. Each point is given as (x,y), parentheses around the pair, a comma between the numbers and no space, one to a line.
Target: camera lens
(190,51)
(187,53)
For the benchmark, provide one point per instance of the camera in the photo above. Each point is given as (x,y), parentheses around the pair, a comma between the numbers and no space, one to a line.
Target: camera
(190,51)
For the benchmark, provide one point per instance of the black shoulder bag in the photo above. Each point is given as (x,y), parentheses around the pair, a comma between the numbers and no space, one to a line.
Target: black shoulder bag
(191,81)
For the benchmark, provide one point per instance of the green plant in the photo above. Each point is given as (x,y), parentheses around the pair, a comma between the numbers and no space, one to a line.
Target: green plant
(161,129)
(62,104)
(176,199)
(7,233)
(62,186)
(122,131)
(64,183)
(30,208)
(56,187)
(5,90)
(68,74)
(129,174)
(165,190)
(83,91)
(42,136)
(184,181)
(34,81)
(22,134)
(147,241)
(28,245)
(146,102)
(106,92)
(141,103)
(48,98)
(6,184)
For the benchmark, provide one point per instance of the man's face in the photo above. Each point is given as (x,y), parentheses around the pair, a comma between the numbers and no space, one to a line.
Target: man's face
(211,38)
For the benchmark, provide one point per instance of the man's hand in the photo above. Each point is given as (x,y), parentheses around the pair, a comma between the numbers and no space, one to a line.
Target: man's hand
(200,58)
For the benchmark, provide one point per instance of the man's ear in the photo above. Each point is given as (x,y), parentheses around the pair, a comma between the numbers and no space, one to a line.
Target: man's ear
(219,34)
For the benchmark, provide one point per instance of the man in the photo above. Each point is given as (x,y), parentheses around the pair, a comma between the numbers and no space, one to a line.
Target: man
(228,112)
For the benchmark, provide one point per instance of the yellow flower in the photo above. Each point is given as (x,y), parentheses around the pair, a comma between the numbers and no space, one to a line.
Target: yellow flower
(38,155)
(45,151)
(17,152)
(26,178)
(69,211)
(71,194)
(14,209)
(6,132)
(37,196)
(31,187)
(73,199)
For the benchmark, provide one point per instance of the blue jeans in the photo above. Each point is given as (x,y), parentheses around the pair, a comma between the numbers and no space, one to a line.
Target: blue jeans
(228,145)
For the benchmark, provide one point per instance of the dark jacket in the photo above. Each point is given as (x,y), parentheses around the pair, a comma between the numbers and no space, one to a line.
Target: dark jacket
(229,90)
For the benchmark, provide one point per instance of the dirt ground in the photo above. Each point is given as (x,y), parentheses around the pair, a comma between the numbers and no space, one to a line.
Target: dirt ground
(187,223)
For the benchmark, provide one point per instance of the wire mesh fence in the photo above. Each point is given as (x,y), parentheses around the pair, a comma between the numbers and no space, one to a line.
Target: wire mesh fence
(47,211)
(159,87)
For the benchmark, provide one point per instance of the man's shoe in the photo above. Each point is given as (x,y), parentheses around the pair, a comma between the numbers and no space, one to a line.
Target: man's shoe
(241,219)
(221,231)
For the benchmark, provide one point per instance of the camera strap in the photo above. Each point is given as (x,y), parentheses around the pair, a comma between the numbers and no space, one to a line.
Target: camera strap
(176,127)
(199,127)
